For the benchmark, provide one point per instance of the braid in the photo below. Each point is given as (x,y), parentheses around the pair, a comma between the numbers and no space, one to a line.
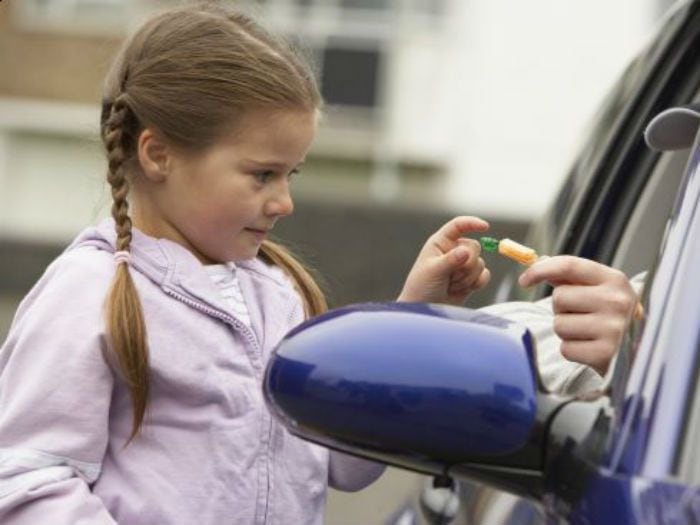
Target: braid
(116,176)
(125,320)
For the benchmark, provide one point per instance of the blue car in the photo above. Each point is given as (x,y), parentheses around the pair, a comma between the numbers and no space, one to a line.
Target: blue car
(455,393)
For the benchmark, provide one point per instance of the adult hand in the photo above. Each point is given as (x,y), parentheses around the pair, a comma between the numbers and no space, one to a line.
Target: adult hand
(449,266)
(592,304)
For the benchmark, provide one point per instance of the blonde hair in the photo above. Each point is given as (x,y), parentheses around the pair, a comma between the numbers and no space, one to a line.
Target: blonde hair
(190,73)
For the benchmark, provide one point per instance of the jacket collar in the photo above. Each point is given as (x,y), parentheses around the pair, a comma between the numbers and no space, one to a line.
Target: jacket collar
(176,269)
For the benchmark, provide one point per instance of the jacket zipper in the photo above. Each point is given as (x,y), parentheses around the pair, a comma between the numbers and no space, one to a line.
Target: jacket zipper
(219,315)
(252,340)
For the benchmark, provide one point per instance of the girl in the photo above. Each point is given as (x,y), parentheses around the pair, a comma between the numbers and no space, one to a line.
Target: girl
(130,380)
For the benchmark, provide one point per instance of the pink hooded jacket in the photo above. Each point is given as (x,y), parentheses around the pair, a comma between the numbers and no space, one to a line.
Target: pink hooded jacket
(209,451)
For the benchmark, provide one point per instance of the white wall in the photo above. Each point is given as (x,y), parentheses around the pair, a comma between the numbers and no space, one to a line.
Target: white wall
(528,76)
(52,170)
(505,91)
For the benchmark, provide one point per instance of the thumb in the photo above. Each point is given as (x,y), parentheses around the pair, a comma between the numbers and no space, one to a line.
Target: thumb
(452,260)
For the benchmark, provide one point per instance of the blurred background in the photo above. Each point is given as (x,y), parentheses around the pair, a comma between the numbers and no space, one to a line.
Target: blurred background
(435,108)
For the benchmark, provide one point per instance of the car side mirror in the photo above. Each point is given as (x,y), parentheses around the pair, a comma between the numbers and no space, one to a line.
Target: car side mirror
(420,386)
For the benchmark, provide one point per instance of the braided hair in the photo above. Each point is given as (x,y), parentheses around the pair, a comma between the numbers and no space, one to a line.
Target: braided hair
(125,321)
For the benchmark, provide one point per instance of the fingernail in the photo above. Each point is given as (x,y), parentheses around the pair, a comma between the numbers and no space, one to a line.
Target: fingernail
(460,253)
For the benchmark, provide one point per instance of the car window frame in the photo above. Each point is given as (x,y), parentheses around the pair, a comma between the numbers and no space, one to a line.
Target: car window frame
(594,228)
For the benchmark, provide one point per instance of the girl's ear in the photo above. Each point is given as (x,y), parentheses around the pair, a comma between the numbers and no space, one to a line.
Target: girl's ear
(154,156)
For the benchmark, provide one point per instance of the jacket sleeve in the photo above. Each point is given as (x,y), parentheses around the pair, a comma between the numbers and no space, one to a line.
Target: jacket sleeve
(557,373)
(55,391)
(350,474)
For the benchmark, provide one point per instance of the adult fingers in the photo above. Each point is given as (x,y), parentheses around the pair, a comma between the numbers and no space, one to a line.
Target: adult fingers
(607,300)
(588,327)
(567,269)
(569,298)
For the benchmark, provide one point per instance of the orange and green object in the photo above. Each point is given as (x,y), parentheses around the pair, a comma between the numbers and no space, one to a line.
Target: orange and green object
(511,249)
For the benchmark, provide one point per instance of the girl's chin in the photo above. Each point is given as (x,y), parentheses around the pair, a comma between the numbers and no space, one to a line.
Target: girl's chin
(242,255)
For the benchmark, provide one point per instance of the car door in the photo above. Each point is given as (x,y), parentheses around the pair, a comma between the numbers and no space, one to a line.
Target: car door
(645,442)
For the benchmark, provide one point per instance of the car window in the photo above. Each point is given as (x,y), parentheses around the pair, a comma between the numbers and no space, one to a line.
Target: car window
(642,234)
(641,237)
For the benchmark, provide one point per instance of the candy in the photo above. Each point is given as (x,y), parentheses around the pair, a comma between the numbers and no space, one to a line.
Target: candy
(510,249)
(517,252)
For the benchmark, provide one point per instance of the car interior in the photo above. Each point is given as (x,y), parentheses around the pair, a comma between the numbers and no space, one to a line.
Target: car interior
(644,231)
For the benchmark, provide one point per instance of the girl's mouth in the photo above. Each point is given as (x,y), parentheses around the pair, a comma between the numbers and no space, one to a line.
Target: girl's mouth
(259,234)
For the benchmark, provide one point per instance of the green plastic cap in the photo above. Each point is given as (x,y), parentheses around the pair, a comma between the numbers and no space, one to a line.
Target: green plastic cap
(489,244)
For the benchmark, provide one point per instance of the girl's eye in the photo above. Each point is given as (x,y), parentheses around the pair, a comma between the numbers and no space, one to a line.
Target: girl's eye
(263,176)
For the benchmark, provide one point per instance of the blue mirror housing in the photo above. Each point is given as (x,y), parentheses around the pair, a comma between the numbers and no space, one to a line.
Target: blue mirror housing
(417,385)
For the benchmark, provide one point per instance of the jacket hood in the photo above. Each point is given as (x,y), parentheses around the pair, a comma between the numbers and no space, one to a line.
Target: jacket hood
(148,255)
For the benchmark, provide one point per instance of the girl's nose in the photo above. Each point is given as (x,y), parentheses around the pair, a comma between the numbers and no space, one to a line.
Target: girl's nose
(280,204)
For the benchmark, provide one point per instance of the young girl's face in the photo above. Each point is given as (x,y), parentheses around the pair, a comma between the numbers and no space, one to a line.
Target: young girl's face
(221,204)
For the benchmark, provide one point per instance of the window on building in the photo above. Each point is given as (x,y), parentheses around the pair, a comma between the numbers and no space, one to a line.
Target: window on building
(350,76)
(350,42)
